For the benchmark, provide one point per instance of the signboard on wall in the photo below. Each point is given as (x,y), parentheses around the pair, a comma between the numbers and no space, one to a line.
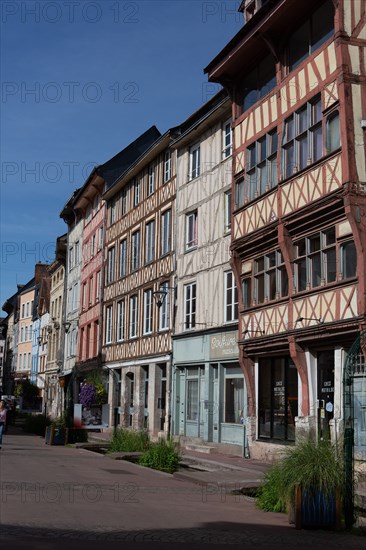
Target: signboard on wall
(224,346)
(92,417)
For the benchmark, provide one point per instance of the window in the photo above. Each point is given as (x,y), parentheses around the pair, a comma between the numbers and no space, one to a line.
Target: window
(91,290)
(348,259)
(77,252)
(191,230)
(234,400)
(315,260)
(190,305)
(71,258)
(192,399)
(93,245)
(30,332)
(302,138)
(167,166)
(332,136)
(22,334)
(136,192)
(84,304)
(88,214)
(135,251)
(108,324)
(133,316)
(227,212)
(148,311)
(231,298)
(120,320)
(239,192)
(270,277)
(165,232)
(259,82)
(101,234)
(124,201)
(151,181)
(194,162)
(261,166)
(150,242)
(123,258)
(247,292)
(112,212)
(23,310)
(164,310)
(227,139)
(27,310)
(110,265)
(98,285)
(311,35)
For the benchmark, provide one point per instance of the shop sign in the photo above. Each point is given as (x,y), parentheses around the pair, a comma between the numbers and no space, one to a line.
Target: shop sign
(224,346)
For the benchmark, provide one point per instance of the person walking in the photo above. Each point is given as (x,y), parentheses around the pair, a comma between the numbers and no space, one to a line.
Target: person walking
(3,413)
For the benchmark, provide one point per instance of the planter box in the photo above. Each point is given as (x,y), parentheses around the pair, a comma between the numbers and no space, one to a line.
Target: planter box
(313,510)
(56,436)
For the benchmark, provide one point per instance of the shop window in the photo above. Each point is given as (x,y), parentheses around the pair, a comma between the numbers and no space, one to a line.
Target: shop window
(234,400)
(277,399)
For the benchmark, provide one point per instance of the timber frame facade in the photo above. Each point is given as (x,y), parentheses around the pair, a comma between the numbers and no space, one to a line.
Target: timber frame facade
(139,262)
(298,223)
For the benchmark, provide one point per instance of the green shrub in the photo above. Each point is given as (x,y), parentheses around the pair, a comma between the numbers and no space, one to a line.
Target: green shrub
(162,456)
(125,440)
(313,465)
(271,495)
(36,424)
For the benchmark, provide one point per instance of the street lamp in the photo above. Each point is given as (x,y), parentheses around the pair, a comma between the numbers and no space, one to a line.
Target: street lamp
(160,295)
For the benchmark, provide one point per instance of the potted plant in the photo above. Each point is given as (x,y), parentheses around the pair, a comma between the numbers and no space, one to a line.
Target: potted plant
(57,432)
(308,482)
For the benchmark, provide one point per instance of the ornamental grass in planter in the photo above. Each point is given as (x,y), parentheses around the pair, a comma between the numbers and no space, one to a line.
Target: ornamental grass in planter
(309,475)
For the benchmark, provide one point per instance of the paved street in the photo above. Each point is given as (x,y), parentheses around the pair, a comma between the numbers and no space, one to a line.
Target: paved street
(52,496)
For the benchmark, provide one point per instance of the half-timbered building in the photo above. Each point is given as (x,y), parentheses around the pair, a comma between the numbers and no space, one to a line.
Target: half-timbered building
(296,75)
(209,397)
(138,300)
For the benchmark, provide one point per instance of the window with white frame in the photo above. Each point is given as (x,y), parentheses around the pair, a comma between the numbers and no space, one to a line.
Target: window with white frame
(133,316)
(136,191)
(191,230)
(227,212)
(165,243)
(164,310)
(150,242)
(227,138)
(120,320)
(27,310)
(123,258)
(148,311)
(91,291)
(315,262)
(270,277)
(151,180)
(261,166)
(194,162)
(98,286)
(108,324)
(231,298)
(100,240)
(84,304)
(110,264)
(71,257)
(135,260)
(77,252)
(190,305)
(23,310)
(167,166)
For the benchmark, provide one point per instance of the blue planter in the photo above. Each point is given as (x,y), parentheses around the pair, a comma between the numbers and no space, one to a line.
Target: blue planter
(315,510)
(56,436)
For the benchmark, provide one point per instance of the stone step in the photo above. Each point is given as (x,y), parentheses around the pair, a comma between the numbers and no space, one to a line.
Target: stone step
(205,449)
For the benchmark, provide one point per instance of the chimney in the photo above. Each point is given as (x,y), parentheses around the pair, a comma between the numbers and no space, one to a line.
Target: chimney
(40,271)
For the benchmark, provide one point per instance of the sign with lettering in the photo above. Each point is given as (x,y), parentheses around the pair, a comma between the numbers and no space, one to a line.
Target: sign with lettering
(224,346)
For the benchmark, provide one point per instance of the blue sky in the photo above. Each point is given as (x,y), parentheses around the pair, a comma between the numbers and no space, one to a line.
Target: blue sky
(81,80)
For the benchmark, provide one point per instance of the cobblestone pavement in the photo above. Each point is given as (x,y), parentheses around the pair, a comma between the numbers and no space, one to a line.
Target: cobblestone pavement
(52,496)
